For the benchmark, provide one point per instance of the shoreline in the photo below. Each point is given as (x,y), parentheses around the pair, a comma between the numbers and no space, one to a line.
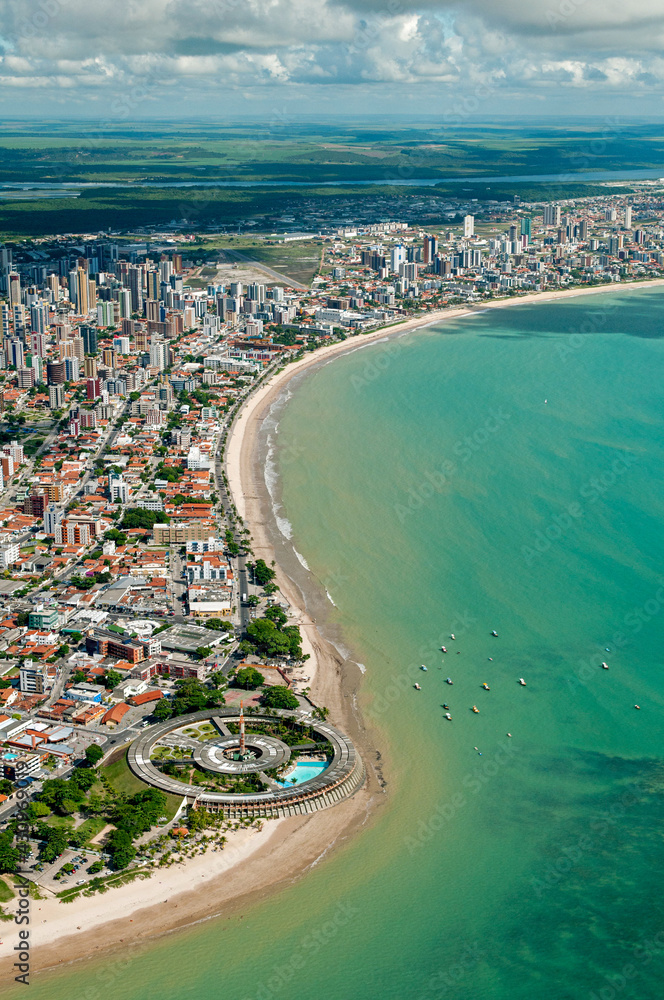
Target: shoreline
(253,864)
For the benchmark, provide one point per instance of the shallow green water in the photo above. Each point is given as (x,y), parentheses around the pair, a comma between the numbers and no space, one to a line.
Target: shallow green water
(432,490)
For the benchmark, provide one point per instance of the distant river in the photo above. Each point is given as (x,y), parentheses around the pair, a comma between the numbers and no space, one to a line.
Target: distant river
(503,471)
(391,177)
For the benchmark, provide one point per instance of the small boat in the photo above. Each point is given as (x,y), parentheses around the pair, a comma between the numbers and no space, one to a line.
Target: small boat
(637,706)
(491,659)
(486,686)
(510,735)
(423,667)
(475,709)
(605,666)
(494,634)
(452,636)
(448,716)
(417,687)
(443,649)
(522,682)
(448,680)
(446,706)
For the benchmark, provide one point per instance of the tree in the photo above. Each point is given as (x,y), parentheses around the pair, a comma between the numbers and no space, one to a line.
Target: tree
(9,855)
(121,849)
(249,678)
(218,625)
(279,697)
(163,710)
(113,678)
(276,615)
(78,677)
(203,652)
(263,573)
(93,754)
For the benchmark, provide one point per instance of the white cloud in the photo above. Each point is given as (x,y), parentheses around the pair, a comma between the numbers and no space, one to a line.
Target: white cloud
(596,47)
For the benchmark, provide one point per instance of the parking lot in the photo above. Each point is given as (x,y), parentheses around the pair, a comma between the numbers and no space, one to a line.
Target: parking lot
(80,859)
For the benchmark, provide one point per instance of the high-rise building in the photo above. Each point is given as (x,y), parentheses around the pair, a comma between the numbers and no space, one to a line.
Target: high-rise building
(105,314)
(35,504)
(16,353)
(468,226)
(38,344)
(56,397)
(108,357)
(430,249)
(14,289)
(90,367)
(89,335)
(92,389)
(55,373)
(52,517)
(159,356)
(136,288)
(72,369)
(117,487)
(552,215)
(527,228)
(628,217)
(26,378)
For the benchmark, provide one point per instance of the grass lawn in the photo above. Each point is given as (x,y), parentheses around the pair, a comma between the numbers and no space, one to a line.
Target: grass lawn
(126,782)
(5,892)
(91,827)
(63,822)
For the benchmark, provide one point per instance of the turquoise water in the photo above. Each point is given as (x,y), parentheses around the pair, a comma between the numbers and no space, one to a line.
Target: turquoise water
(304,771)
(499,472)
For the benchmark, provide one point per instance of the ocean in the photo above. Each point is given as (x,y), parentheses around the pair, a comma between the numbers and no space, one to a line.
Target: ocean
(502,471)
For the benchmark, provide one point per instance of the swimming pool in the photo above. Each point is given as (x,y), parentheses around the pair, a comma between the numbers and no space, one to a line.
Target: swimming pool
(304,771)
(10,756)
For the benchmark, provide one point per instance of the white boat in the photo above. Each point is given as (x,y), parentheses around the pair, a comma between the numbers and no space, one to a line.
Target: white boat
(423,667)
(448,680)
(448,716)
(522,682)
(452,636)
(443,648)
(605,666)
(417,687)
(494,634)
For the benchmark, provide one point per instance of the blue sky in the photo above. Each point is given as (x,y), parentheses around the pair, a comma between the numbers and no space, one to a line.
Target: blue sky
(144,58)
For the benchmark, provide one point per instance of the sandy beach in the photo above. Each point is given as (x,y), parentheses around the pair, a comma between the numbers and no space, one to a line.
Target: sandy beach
(253,863)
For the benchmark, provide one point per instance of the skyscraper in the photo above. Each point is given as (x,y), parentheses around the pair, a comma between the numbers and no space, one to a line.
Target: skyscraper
(469,225)
(552,215)
(628,217)
(14,289)
(89,334)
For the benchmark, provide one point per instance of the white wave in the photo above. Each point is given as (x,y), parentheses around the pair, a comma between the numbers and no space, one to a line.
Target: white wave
(271,479)
(330,598)
(301,559)
(362,667)
(284,525)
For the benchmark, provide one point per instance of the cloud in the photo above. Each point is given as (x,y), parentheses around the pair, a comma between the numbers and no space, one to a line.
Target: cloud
(596,47)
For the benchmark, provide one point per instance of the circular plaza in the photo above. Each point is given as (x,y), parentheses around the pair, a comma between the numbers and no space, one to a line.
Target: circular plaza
(274,763)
